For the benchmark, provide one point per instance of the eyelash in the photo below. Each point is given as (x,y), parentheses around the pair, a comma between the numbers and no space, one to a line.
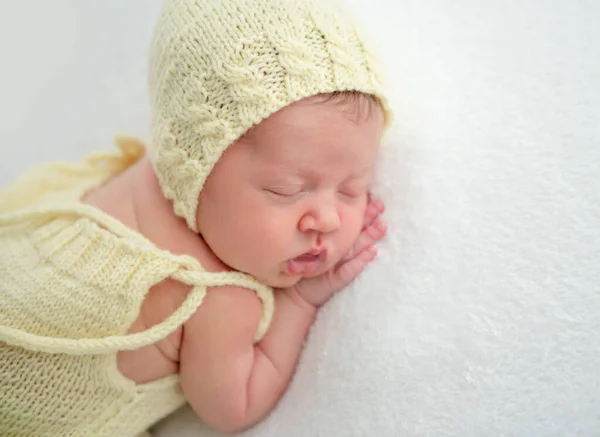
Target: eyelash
(288,195)
(283,194)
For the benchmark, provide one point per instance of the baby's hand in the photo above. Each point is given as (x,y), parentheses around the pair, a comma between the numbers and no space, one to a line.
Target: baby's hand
(316,291)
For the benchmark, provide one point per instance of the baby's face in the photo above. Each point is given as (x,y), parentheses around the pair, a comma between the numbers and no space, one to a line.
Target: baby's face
(288,200)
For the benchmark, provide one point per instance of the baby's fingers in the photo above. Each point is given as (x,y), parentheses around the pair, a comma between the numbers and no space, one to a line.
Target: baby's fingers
(374,209)
(347,271)
(319,289)
(368,236)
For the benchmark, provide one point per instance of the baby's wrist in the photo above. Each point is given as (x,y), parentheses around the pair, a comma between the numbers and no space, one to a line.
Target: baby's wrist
(301,301)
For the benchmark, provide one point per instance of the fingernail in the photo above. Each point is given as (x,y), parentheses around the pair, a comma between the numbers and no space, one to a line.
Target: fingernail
(381,226)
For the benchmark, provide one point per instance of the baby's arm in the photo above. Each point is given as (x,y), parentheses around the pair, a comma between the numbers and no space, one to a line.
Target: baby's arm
(232,383)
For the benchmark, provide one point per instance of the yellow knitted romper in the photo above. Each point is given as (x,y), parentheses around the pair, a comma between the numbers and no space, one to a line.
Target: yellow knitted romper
(72,279)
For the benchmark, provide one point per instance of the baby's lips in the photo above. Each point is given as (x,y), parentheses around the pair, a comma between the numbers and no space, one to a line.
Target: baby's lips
(316,250)
(306,264)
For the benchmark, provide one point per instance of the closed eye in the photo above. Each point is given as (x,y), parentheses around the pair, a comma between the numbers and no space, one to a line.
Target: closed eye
(284,193)
(353,194)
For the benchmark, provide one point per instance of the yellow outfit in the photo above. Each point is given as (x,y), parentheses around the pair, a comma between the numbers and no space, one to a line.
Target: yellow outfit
(73,280)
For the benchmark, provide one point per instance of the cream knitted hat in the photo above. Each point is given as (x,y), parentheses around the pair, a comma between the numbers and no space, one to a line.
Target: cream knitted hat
(218,67)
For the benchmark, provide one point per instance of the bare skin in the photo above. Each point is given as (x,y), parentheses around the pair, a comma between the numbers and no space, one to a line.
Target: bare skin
(228,380)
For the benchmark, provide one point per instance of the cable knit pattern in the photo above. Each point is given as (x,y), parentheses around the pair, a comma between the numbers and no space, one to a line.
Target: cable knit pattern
(73,281)
(218,67)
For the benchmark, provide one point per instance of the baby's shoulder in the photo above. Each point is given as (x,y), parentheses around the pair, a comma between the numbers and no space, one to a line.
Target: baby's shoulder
(114,197)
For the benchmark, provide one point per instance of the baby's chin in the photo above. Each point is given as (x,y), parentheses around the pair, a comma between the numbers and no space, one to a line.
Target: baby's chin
(285,280)
(280,280)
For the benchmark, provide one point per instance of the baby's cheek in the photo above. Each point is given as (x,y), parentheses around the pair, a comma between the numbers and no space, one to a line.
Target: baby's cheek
(354,216)
(275,228)
(352,223)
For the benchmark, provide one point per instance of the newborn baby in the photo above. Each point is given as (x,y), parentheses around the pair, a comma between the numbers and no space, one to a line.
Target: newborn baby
(137,282)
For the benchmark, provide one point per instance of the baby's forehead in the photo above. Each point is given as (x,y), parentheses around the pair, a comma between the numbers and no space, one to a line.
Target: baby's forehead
(301,115)
(322,130)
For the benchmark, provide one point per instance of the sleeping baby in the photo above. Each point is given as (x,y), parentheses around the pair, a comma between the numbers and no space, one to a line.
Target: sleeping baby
(191,270)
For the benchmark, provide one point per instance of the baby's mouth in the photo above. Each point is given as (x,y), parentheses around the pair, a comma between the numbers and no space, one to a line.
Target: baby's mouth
(307,263)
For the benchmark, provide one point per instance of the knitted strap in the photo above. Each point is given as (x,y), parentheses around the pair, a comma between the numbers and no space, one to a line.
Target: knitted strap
(190,273)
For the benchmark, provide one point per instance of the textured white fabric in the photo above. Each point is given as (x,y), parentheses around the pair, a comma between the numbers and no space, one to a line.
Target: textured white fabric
(481,316)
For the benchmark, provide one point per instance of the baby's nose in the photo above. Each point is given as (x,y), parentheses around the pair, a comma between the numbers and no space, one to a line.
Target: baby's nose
(324,219)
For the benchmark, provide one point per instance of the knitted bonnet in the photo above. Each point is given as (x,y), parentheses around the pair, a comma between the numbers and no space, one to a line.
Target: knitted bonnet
(218,67)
